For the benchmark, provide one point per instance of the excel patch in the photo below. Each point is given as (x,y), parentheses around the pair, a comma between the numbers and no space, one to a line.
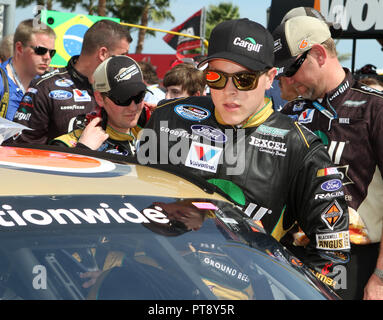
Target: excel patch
(203,157)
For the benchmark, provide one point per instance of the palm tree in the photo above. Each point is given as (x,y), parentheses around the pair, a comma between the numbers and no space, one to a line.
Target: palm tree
(141,12)
(44,3)
(216,14)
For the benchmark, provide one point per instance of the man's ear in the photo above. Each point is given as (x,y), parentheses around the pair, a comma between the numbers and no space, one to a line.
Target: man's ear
(270,75)
(18,47)
(103,53)
(99,99)
(319,53)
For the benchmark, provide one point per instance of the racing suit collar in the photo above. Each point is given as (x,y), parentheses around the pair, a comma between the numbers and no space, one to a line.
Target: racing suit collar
(255,119)
(75,74)
(343,87)
(119,136)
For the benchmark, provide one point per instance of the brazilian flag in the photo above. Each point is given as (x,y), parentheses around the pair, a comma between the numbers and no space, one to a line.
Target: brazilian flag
(70,29)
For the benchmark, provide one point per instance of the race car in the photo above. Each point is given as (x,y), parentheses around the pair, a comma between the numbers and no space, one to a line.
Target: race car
(78,224)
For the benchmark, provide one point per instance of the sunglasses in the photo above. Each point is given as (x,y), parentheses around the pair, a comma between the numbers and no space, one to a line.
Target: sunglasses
(40,51)
(120,102)
(293,69)
(243,80)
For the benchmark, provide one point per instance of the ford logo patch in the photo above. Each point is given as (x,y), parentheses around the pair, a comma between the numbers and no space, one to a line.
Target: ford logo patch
(210,133)
(331,185)
(60,95)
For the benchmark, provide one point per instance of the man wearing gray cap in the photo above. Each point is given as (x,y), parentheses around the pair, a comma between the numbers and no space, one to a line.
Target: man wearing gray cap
(275,169)
(348,116)
(119,91)
(288,91)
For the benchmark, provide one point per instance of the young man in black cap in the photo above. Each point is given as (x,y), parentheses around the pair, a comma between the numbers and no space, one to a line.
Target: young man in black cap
(348,116)
(275,169)
(119,91)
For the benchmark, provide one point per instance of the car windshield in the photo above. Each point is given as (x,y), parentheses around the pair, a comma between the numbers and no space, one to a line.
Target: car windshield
(137,247)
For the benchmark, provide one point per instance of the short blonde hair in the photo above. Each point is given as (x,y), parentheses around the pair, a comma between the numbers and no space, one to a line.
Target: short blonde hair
(330,47)
(29,27)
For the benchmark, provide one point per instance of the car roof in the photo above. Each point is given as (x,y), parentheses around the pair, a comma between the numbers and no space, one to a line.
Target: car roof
(45,171)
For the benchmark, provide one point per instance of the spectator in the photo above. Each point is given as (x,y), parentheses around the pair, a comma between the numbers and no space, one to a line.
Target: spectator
(184,80)
(53,102)
(119,91)
(348,116)
(6,48)
(275,169)
(155,93)
(33,49)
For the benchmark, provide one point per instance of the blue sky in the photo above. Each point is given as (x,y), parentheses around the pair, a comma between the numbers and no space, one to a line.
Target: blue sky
(367,51)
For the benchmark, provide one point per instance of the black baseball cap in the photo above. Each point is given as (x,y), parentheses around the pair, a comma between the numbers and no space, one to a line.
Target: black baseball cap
(119,76)
(242,41)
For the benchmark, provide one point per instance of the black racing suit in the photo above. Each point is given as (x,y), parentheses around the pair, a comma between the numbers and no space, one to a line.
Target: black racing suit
(117,142)
(349,120)
(272,167)
(52,102)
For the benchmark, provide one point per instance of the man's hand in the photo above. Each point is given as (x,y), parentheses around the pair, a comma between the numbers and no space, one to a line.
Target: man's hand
(374,289)
(93,135)
(93,275)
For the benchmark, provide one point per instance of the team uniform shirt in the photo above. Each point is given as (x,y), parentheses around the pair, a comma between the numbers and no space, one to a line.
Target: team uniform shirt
(349,120)
(52,103)
(271,167)
(15,93)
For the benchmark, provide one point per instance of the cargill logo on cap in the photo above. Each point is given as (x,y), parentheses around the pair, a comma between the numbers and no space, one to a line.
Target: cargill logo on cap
(249,43)
(126,73)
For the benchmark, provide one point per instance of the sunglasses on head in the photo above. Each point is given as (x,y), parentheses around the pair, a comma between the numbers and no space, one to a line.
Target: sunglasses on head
(40,51)
(121,102)
(243,80)
(293,69)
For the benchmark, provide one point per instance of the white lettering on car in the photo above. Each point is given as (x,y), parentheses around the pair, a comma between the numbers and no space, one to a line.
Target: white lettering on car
(10,217)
